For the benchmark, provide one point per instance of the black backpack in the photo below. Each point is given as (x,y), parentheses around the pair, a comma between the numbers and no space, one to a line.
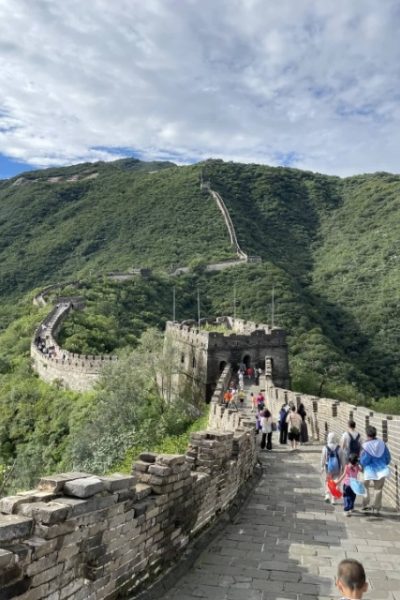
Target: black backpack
(354,444)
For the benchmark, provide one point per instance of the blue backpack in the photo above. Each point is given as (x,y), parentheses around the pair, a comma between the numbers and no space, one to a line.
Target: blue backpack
(332,461)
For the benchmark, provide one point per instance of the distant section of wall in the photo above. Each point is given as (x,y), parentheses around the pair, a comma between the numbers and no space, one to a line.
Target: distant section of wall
(74,371)
(325,415)
(82,537)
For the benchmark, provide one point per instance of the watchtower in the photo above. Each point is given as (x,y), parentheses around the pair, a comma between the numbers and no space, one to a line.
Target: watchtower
(198,355)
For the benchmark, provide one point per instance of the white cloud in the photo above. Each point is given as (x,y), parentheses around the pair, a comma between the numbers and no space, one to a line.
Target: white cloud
(315,82)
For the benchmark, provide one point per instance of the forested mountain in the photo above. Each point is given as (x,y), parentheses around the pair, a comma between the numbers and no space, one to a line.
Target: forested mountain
(330,252)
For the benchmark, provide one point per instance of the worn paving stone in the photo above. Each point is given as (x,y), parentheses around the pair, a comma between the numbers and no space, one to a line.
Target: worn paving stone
(286,542)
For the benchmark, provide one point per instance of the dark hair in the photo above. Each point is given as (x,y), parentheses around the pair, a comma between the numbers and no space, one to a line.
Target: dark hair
(351,424)
(293,408)
(353,459)
(371,432)
(267,414)
(352,574)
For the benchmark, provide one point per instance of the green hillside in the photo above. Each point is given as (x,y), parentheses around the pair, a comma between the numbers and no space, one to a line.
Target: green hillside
(330,250)
(82,220)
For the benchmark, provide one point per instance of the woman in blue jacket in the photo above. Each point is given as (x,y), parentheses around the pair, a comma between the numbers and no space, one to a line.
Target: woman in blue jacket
(375,459)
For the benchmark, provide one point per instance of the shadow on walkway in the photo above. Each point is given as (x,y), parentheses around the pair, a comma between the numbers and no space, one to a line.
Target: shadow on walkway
(285,543)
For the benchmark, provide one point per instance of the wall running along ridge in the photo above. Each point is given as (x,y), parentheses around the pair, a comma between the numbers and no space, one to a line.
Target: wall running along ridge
(75,371)
(83,537)
(325,415)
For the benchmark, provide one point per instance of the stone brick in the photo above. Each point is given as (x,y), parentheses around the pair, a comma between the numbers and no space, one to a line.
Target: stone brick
(83,488)
(14,527)
(6,558)
(116,482)
(55,483)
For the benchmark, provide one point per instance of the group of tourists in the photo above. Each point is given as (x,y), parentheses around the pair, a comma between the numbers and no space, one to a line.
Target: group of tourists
(358,466)
(291,423)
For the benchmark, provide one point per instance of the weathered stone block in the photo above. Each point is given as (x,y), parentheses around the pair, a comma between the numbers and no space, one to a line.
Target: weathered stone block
(160,470)
(116,482)
(55,483)
(6,558)
(170,459)
(13,527)
(49,532)
(9,504)
(84,488)
(41,547)
(139,466)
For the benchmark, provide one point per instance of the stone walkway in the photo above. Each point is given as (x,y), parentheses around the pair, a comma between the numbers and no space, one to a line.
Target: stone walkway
(286,542)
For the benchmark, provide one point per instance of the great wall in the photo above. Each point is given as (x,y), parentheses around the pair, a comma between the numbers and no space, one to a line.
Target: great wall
(80,536)
(80,372)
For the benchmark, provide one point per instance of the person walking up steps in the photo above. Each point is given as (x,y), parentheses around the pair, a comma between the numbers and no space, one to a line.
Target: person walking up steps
(283,426)
(293,421)
(266,428)
(351,471)
(375,459)
(351,440)
(332,463)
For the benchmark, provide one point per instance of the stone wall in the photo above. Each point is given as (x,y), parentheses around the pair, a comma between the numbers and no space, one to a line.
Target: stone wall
(198,356)
(77,372)
(92,538)
(325,415)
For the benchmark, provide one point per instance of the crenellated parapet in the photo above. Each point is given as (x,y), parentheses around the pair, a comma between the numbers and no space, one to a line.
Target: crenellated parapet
(92,537)
(325,415)
(200,355)
(53,363)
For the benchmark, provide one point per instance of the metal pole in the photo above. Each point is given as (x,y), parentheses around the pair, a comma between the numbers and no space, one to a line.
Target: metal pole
(234,301)
(198,307)
(173,304)
(273,307)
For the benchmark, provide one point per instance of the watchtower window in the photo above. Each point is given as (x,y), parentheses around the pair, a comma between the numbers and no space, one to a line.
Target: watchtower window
(193,362)
(182,358)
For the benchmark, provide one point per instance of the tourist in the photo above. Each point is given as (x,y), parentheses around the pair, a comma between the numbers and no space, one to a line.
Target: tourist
(266,428)
(351,580)
(293,421)
(257,375)
(351,440)
(260,400)
(303,427)
(332,463)
(351,471)
(374,459)
(283,426)
(253,401)
(242,396)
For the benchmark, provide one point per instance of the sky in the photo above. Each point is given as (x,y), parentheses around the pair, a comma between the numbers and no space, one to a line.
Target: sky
(311,84)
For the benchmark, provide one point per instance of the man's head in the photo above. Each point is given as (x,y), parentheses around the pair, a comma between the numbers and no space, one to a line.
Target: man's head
(351,424)
(371,432)
(351,580)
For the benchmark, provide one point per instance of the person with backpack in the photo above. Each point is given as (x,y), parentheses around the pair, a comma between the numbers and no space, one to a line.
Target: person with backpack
(374,459)
(332,463)
(351,441)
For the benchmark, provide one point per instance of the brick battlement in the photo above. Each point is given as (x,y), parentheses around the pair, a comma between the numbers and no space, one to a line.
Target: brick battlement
(96,538)
(326,414)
